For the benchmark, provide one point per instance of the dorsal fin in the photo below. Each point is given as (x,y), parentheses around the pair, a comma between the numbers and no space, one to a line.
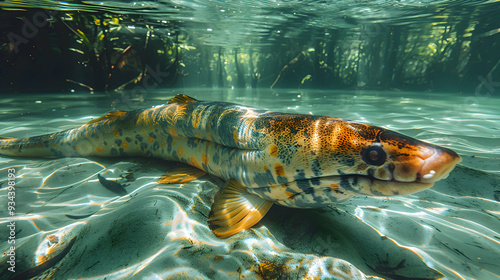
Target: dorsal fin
(181,98)
(235,210)
(110,116)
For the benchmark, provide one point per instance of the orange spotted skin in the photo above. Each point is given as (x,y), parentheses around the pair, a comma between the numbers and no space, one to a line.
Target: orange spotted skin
(291,159)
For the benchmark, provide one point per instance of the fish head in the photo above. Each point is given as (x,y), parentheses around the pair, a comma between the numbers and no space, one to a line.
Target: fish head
(390,163)
(412,160)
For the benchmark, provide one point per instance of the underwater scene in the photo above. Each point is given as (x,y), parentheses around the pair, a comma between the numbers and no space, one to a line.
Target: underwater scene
(211,139)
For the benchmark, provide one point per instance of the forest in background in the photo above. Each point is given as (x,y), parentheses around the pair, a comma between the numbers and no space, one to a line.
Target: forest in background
(61,51)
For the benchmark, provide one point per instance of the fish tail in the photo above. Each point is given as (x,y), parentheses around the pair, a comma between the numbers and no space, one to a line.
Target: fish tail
(111,135)
(37,146)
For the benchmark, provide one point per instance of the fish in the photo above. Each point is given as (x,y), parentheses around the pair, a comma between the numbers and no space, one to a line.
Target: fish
(112,185)
(264,157)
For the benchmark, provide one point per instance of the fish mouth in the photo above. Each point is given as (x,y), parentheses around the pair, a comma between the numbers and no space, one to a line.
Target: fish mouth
(438,166)
(368,185)
(336,188)
(374,180)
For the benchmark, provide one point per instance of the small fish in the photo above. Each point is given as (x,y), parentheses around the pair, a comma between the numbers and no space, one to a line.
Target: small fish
(77,217)
(112,185)
(265,157)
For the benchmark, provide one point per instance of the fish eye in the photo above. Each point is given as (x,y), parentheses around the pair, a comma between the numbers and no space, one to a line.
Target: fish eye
(374,154)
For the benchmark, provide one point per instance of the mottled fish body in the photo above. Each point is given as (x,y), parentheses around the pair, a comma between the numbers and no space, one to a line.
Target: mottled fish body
(266,157)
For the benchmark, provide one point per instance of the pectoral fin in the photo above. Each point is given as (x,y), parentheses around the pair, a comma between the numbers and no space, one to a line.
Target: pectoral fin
(235,210)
